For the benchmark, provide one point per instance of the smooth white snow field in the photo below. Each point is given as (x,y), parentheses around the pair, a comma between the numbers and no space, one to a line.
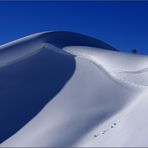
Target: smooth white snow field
(57,92)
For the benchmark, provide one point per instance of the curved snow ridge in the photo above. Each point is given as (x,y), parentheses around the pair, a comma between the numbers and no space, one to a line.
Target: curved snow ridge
(27,46)
(136,77)
(59,39)
(77,83)
(119,62)
(121,79)
(63,39)
(122,76)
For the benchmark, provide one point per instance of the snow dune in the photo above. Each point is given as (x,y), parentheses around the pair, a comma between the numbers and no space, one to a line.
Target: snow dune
(66,89)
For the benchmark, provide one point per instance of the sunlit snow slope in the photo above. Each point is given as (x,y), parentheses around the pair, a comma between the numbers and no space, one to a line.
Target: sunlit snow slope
(66,89)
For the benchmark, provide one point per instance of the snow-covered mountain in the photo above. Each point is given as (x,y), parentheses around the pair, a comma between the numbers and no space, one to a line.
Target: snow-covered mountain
(66,89)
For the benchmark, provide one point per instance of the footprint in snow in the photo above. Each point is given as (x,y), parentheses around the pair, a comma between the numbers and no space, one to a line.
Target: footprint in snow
(104,131)
(96,135)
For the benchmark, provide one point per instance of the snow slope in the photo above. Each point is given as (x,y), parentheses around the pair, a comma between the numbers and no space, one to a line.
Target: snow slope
(66,89)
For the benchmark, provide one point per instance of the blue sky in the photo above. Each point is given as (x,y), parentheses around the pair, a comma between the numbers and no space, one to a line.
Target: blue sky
(124,25)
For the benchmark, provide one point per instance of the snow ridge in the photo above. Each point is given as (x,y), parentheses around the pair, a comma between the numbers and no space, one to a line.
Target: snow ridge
(66,89)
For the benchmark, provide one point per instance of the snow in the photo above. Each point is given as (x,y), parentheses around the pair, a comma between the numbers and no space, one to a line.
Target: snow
(79,95)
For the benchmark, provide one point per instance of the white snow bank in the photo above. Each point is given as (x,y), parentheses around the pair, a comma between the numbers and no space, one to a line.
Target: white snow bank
(102,104)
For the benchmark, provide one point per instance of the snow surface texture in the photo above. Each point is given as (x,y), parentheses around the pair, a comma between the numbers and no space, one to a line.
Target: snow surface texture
(66,89)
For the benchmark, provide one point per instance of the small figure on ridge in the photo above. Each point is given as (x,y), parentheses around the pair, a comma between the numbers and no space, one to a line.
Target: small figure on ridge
(134,51)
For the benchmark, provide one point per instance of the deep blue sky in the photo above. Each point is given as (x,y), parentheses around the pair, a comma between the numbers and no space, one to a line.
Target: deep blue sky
(124,25)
